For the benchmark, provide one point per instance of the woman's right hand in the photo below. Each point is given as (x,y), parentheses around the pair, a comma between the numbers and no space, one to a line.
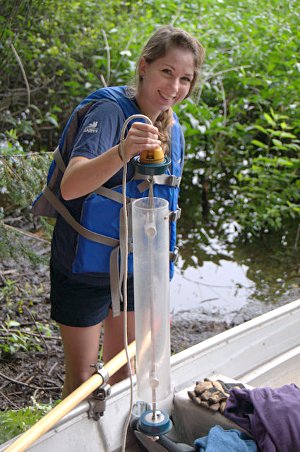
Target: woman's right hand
(84,175)
(140,137)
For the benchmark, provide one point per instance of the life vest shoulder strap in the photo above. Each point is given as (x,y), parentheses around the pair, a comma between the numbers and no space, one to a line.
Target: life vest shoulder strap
(112,194)
(64,212)
(161,179)
(59,160)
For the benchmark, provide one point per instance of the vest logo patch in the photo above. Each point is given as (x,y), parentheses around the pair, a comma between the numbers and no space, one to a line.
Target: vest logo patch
(92,127)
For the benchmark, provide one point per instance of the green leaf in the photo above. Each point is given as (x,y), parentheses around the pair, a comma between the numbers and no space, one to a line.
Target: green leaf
(262,129)
(293,146)
(12,323)
(270,120)
(287,135)
(260,144)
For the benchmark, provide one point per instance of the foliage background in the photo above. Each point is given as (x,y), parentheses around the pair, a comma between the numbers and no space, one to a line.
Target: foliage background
(242,127)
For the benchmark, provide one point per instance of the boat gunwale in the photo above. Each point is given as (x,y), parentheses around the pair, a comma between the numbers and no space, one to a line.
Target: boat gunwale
(239,330)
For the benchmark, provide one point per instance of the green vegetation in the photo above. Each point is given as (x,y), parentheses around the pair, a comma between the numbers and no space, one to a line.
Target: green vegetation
(20,302)
(14,422)
(55,52)
(13,339)
(22,177)
(268,191)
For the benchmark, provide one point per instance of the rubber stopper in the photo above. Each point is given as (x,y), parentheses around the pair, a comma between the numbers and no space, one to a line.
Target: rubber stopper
(154,427)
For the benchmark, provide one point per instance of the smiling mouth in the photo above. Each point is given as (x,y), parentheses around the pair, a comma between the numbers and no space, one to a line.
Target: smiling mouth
(166,98)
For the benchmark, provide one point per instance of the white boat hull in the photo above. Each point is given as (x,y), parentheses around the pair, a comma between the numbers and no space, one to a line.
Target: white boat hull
(264,351)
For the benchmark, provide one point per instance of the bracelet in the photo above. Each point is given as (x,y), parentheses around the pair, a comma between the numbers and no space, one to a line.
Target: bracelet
(119,152)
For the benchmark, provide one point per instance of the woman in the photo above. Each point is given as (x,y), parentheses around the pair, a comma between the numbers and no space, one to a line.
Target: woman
(81,299)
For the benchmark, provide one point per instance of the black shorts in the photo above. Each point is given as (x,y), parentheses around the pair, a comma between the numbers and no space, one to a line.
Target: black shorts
(76,304)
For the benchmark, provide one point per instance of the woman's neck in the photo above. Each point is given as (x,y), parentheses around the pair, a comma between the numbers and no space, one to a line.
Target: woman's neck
(143,109)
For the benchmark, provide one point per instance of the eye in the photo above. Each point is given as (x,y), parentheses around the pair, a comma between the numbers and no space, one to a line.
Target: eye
(186,79)
(167,71)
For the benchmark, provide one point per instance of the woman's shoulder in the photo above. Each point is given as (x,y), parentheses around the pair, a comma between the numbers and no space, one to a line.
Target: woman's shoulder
(105,110)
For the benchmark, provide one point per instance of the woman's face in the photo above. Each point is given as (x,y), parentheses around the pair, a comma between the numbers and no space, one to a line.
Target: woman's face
(165,82)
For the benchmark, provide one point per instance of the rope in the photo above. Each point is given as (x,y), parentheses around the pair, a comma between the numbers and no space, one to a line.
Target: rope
(125,258)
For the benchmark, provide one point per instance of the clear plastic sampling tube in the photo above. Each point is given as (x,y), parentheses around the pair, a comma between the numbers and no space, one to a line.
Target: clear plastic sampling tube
(150,228)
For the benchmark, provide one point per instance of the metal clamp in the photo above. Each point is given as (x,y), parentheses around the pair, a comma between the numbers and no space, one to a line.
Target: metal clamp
(173,181)
(174,255)
(98,402)
(175,214)
(100,369)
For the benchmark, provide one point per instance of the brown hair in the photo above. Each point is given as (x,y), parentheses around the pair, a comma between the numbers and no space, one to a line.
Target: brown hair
(161,41)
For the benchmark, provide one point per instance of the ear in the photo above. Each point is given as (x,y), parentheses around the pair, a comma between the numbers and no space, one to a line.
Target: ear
(142,67)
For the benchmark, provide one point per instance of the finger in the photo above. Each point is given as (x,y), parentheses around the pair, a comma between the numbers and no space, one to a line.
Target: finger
(141,126)
(140,144)
(136,139)
(140,135)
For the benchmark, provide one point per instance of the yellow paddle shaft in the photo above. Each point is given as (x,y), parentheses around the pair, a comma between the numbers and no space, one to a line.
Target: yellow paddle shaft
(70,402)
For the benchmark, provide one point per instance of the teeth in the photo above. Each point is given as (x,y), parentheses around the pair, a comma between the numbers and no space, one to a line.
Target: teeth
(166,97)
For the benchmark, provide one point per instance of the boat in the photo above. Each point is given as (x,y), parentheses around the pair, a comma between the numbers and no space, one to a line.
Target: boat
(264,351)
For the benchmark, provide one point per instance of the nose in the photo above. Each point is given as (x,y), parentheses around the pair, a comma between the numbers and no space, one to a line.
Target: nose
(174,85)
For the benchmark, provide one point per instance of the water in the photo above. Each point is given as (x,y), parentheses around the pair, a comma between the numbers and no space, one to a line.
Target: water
(211,288)
(221,280)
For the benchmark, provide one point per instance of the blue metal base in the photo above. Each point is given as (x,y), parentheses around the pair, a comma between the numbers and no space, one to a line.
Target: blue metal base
(154,427)
(151,169)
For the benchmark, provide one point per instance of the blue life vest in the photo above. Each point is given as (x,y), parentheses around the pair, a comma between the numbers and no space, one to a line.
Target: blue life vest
(98,231)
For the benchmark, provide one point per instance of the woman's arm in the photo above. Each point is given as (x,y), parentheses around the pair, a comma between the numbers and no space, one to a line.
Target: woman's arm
(84,175)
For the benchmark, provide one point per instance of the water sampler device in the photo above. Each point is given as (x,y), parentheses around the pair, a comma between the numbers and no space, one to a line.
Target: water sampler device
(150,232)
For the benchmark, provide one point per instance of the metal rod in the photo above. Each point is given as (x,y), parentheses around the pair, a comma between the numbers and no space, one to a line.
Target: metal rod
(153,377)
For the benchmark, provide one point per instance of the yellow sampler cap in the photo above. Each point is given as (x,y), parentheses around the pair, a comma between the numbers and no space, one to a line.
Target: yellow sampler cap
(152,156)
